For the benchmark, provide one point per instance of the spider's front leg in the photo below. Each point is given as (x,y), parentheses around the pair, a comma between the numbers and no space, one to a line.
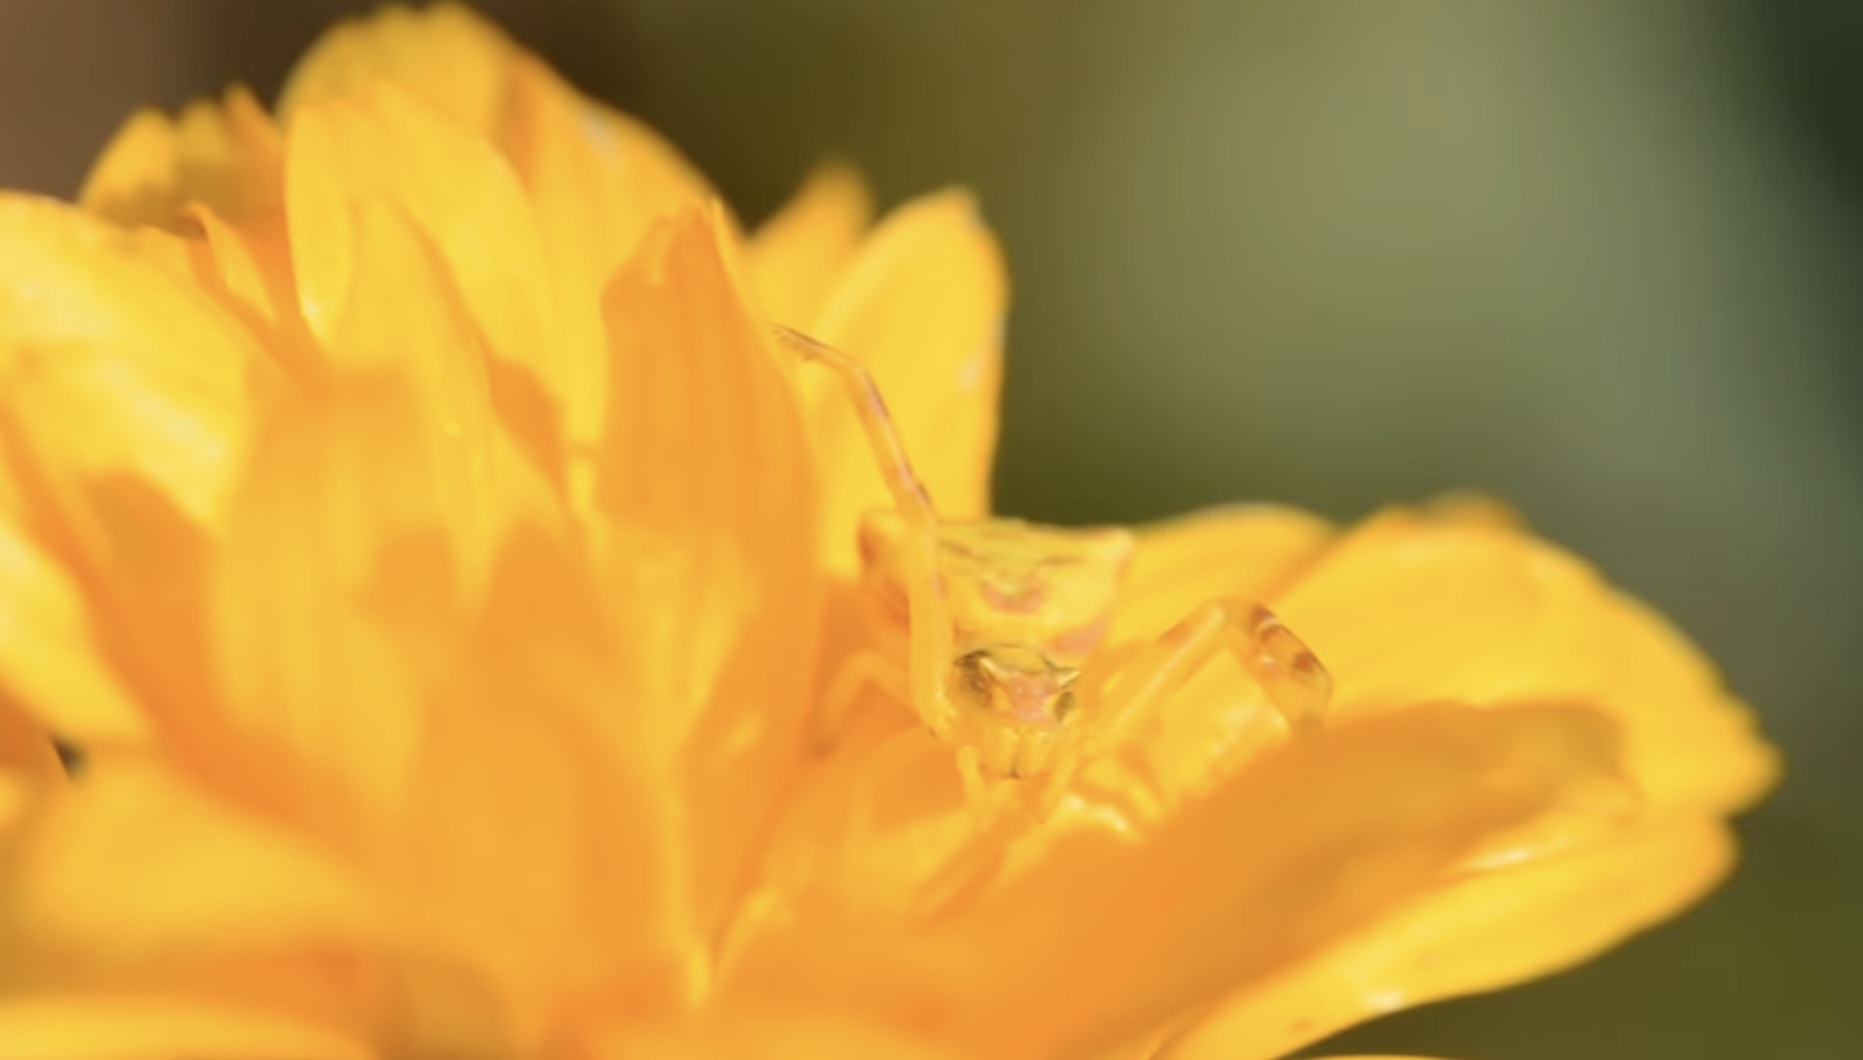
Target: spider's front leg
(1135,681)
(1292,678)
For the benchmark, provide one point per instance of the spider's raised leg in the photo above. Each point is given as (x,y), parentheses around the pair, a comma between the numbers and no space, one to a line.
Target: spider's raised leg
(929,661)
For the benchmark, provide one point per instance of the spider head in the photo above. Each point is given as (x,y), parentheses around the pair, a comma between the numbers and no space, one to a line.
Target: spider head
(1018,703)
(1010,590)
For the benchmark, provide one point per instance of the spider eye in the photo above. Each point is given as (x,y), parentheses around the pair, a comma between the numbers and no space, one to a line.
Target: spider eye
(1064,703)
(1018,682)
(971,670)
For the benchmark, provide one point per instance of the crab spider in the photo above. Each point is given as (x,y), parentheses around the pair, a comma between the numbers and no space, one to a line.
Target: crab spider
(1006,622)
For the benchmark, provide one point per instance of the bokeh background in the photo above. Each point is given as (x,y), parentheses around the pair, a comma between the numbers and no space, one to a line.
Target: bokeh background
(1601,258)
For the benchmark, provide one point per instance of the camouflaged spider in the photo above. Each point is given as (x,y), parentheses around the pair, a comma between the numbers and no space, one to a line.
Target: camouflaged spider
(1006,620)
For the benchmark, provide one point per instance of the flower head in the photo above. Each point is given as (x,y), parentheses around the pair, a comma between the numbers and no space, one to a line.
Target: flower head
(444,575)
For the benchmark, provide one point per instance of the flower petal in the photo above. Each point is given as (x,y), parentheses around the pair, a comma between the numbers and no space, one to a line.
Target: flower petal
(50,658)
(449,58)
(459,193)
(26,751)
(1249,550)
(161,372)
(597,181)
(22,770)
(157,1028)
(216,173)
(125,408)
(248,265)
(562,877)
(1107,937)
(137,865)
(871,828)
(922,304)
(595,809)
(403,315)
(705,490)
(335,573)
(227,156)
(1477,932)
(796,256)
(1413,607)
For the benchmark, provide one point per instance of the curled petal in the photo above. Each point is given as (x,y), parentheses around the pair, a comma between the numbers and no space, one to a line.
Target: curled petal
(1476,932)
(1412,607)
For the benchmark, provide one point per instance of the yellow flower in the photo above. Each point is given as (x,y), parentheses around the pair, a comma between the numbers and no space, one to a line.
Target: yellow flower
(440,568)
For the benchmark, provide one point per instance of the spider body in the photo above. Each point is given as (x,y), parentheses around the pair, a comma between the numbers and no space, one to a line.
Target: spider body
(1028,606)
(1004,623)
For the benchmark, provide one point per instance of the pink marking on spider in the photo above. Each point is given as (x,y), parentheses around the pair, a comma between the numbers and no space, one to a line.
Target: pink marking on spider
(1025,599)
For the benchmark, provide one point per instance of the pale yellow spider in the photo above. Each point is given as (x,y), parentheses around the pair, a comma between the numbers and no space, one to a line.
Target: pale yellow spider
(1005,623)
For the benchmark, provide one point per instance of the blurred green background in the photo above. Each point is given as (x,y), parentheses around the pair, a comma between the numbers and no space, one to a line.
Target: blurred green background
(1600,258)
